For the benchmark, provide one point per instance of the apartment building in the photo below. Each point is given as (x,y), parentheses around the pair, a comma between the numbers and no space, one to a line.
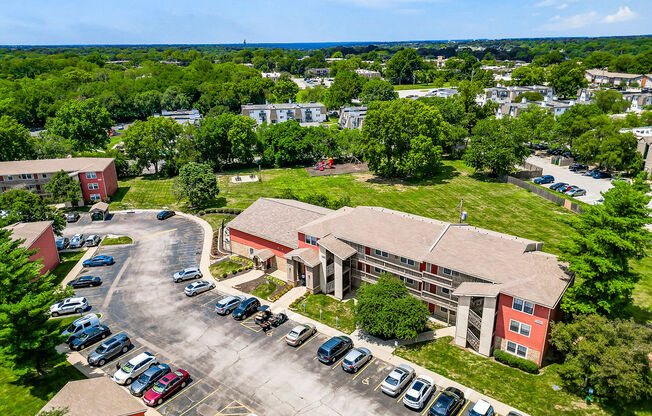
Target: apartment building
(182,116)
(37,236)
(280,113)
(368,73)
(500,291)
(644,141)
(638,100)
(616,79)
(352,117)
(509,94)
(97,176)
(318,72)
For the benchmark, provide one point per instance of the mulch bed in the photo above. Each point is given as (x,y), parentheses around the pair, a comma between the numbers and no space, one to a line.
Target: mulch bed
(338,169)
(249,286)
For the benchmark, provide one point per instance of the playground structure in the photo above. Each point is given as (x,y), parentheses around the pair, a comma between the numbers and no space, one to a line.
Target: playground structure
(325,164)
(327,167)
(244,178)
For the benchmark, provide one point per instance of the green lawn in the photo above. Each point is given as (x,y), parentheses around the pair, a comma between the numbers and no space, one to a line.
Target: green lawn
(215,220)
(68,261)
(117,240)
(330,308)
(533,394)
(226,266)
(265,289)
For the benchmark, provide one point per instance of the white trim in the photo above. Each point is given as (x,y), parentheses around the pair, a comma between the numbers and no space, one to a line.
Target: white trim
(515,353)
(381,253)
(520,328)
(514,299)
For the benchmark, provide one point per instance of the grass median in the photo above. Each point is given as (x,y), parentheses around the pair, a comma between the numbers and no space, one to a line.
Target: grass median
(330,310)
(68,261)
(116,241)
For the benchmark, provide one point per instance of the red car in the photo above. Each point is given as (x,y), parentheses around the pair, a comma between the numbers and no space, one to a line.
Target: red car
(166,386)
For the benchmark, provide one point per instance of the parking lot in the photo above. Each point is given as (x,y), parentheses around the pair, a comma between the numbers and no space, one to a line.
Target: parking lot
(236,368)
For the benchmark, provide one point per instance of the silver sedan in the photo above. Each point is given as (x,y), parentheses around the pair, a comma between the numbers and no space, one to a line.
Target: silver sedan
(397,380)
(198,287)
(299,334)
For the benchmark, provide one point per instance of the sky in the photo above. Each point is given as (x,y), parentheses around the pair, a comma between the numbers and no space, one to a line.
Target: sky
(66,22)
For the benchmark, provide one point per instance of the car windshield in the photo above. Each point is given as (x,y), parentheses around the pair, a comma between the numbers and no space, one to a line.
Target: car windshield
(101,349)
(83,336)
(293,334)
(127,367)
(159,387)
(411,398)
(71,328)
(144,378)
(442,403)
(391,381)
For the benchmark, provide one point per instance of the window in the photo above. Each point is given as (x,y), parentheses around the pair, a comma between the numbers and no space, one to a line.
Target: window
(93,186)
(96,197)
(445,291)
(378,270)
(409,281)
(91,175)
(519,328)
(10,178)
(381,253)
(448,271)
(251,251)
(311,240)
(443,309)
(25,176)
(516,349)
(523,306)
(44,175)
(409,262)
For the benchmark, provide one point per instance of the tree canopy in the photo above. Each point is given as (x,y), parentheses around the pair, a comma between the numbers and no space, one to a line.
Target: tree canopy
(63,188)
(84,122)
(24,206)
(196,182)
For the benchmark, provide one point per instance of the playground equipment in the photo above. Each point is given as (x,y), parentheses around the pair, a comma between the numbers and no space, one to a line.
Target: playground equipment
(325,163)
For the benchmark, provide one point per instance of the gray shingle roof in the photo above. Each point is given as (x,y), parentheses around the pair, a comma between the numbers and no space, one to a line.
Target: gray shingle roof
(28,231)
(73,164)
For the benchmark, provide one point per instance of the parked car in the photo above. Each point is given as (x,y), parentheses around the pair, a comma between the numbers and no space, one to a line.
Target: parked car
(333,349)
(481,408)
(226,305)
(512,413)
(575,167)
(85,281)
(166,386)
(70,305)
(89,336)
(62,243)
(601,175)
(571,188)
(99,261)
(419,392)
(77,241)
(79,325)
(110,348)
(164,215)
(134,367)
(72,217)
(544,179)
(356,359)
(397,380)
(576,192)
(448,403)
(299,334)
(590,172)
(93,240)
(148,378)
(246,308)
(558,185)
(198,287)
(187,274)
(563,189)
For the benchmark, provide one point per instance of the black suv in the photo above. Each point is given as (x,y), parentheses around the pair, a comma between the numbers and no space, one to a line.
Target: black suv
(448,403)
(246,308)
(163,215)
(89,336)
(334,348)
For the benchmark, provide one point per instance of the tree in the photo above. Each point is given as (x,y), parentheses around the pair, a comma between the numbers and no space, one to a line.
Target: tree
(285,90)
(403,66)
(387,310)
(610,356)
(287,144)
(529,96)
(403,138)
(347,86)
(225,140)
(567,78)
(149,142)
(174,99)
(606,238)
(611,101)
(197,182)
(496,146)
(63,188)
(315,94)
(15,141)
(528,75)
(27,340)
(377,90)
(605,145)
(24,206)
(84,122)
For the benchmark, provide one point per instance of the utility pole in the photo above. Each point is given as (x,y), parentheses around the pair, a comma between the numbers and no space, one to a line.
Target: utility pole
(461,206)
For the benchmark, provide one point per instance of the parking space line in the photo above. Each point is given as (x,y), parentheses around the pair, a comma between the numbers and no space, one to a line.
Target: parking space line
(210,301)
(122,356)
(196,404)
(234,410)
(255,327)
(464,408)
(363,368)
(402,395)
(178,393)
(425,409)
(156,233)
(335,365)
(379,385)
(309,339)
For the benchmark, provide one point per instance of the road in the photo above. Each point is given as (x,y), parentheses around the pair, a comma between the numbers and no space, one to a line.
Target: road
(236,368)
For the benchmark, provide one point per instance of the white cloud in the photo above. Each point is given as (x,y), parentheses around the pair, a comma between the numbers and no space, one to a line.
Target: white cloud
(562,6)
(623,14)
(546,3)
(571,22)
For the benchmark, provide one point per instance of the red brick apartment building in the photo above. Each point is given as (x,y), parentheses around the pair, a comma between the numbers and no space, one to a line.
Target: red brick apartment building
(38,236)
(97,176)
(500,291)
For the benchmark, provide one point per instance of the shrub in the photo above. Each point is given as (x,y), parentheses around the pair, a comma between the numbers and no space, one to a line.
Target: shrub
(200,213)
(517,362)
(224,275)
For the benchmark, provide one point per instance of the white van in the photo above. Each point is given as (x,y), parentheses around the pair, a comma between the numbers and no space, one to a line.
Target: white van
(80,324)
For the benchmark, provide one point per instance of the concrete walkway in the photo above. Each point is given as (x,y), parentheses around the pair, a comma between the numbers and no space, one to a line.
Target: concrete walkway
(283,303)
(242,278)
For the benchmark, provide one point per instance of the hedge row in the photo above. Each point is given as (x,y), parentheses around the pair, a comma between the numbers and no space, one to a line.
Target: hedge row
(517,362)
(281,293)
(232,211)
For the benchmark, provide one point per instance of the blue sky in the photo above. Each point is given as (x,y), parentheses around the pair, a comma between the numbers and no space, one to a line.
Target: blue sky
(259,21)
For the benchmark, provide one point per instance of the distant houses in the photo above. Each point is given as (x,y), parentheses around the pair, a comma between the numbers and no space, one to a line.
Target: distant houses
(304,113)
(602,77)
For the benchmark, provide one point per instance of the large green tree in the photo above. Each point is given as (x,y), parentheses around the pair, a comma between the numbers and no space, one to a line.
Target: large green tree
(63,188)
(15,141)
(84,122)
(403,138)
(605,145)
(197,182)
(567,78)
(610,356)
(24,206)
(606,238)
(347,86)
(611,101)
(27,340)
(287,144)
(377,90)
(285,90)
(152,141)
(386,309)
(403,66)
(226,140)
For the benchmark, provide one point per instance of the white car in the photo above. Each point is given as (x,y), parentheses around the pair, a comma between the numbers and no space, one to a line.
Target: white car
(482,408)
(419,392)
(134,367)
(198,287)
(70,305)
(397,380)
(187,274)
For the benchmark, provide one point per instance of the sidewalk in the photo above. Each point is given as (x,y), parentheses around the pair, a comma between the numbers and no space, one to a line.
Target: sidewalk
(79,266)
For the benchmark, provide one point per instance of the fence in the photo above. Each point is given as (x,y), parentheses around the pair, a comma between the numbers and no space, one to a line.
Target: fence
(544,193)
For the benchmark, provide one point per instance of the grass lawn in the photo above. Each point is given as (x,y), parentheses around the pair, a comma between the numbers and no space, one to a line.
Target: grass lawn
(330,308)
(215,220)
(227,266)
(642,307)
(115,241)
(527,392)
(265,289)
(68,261)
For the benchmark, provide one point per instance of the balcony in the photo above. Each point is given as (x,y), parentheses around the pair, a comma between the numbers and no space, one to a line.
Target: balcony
(390,267)
(434,297)
(437,280)
(330,269)
(330,287)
